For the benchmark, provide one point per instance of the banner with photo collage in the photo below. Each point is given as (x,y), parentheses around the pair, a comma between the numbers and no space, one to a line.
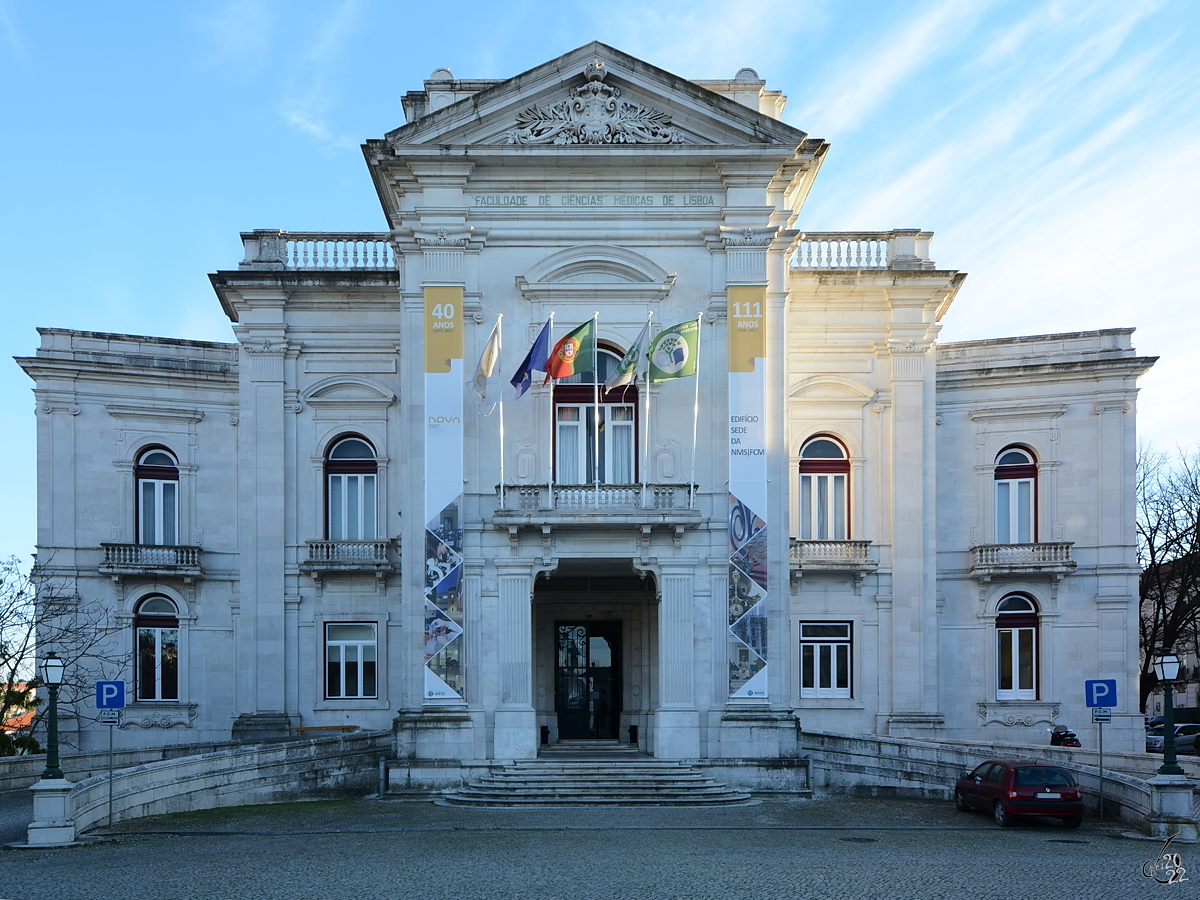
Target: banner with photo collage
(444,386)
(747,635)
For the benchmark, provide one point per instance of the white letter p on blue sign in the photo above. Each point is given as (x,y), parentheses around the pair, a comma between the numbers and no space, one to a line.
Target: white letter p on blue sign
(1101,692)
(110,695)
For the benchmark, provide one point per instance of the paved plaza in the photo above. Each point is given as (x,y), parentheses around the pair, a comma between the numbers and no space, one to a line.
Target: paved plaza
(775,849)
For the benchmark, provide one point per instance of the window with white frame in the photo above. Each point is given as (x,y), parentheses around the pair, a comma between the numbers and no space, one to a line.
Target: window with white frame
(825,660)
(157,476)
(1016,649)
(595,443)
(156,649)
(350,661)
(351,472)
(1016,497)
(824,491)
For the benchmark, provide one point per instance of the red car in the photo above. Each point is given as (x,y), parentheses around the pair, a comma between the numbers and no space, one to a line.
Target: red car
(1020,787)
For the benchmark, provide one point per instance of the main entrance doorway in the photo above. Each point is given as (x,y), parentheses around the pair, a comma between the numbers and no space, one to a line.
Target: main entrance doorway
(587,676)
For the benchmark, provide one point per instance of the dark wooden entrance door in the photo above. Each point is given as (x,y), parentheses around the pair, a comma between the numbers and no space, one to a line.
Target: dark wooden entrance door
(587,690)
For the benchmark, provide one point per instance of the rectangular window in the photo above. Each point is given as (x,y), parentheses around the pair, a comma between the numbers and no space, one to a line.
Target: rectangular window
(158,514)
(1014,511)
(825,654)
(351,507)
(1016,664)
(158,663)
(823,507)
(577,444)
(350,662)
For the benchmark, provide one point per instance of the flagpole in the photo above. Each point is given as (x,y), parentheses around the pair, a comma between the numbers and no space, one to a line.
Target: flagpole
(645,408)
(550,450)
(499,353)
(695,419)
(596,407)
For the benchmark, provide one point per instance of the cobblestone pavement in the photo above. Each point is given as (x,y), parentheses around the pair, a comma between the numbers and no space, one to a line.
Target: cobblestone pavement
(777,849)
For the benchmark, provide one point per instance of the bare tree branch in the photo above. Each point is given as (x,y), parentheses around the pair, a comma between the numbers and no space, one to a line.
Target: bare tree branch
(38,614)
(1168,534)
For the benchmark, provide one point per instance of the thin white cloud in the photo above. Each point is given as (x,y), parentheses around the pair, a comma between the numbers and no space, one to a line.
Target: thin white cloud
(8,27)
(866,78)
(308,105)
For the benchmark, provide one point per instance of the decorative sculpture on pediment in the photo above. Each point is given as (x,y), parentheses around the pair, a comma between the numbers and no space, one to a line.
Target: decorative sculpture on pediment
(594,113)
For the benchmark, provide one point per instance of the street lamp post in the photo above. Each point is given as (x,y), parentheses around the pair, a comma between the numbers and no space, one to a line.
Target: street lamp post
(1166,667)
(52,676)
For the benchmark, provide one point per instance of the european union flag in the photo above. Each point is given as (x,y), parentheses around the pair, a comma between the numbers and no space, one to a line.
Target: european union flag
(534,359)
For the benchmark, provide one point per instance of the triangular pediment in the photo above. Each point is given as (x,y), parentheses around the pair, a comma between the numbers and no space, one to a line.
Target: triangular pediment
(594,96)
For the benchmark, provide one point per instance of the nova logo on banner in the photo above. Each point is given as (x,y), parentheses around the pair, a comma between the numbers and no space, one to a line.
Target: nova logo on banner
(747,635)
(443,494)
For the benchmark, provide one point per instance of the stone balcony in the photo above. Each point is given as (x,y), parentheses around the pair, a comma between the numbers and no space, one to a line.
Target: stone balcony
(140,560)
(850,557)
(543,507)
(326,558)
(317,250)
(901,248)
(1054,560)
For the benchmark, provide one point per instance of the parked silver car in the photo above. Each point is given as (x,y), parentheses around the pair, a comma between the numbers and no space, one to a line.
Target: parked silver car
(1185,738)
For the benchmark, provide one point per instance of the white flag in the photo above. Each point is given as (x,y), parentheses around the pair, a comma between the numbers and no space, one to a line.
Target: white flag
(627,369)
(487,362)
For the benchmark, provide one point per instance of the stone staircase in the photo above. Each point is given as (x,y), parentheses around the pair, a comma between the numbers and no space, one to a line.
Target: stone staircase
(594,773)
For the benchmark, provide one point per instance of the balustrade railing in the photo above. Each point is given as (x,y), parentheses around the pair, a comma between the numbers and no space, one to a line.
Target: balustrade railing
(317,250)
(585,498)
(338,251)
(340,552)
(857,552)
(1048,554)
(903,248)
(836,251)
(143,556)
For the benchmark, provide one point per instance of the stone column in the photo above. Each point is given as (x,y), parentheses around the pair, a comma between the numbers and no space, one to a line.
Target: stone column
(515,733)
(677,722)
(261,526)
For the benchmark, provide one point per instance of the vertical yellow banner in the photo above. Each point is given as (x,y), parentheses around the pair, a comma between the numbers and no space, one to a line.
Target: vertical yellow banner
(443,328)
(747,326)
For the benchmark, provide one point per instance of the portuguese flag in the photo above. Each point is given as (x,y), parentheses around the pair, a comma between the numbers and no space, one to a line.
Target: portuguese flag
(574,353)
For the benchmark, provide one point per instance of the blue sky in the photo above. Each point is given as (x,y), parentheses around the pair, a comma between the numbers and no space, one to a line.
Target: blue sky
(1052,147)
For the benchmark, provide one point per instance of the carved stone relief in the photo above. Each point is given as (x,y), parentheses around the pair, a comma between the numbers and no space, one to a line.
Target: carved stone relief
(593,113)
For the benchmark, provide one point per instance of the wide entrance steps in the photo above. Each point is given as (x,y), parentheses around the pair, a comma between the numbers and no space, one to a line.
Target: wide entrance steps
(588,776)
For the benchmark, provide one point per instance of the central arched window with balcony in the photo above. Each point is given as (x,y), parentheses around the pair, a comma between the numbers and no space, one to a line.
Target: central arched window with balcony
(156,642)
(824,491)
(1016,497)
(157,475)
(595,444)
(351,474)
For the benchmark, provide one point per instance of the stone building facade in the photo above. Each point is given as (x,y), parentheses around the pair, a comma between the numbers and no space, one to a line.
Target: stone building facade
(836,524)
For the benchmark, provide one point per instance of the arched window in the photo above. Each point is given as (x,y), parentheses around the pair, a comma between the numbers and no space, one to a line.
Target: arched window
(1016,497)
(157,475)
(1016,648)
(156,642)
(350,471)
(576,419)
(824,491)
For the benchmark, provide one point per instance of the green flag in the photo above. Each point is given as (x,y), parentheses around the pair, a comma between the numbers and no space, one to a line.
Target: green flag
(673,353)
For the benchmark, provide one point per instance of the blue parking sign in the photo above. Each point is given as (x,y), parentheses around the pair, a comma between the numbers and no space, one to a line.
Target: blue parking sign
(110,695)
(1101,692)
